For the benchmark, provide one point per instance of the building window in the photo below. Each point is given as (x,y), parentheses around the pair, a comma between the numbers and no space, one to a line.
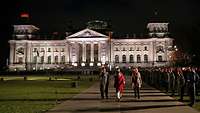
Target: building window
(56,59)
(49,49)
(138,49)
(138,58)
(131,49)
(116,49)
(160,58)
(49,60)
(145,58)
(34,49)
(124,49)
(56,50)
(124,58)
(159,49)
(131,59)
(116,59)
(35,59)
(42,59)
(62,49)
(20,60)
(145,48)
(63,59)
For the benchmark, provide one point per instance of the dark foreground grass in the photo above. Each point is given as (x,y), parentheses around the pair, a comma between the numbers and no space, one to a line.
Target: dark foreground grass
(37,96)
(25,106)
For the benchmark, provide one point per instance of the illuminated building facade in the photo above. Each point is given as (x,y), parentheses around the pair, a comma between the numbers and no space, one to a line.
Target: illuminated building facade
(89,48)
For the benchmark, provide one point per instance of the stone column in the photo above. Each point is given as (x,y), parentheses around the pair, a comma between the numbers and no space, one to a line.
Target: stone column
(99,51)
(28,55)
(67,54)
(28,49)
(92,52)
(45,53)
(83,52)
(12,52)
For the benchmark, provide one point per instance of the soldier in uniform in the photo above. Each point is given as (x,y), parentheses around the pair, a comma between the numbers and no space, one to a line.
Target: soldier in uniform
(104,82)
(180,83)
(192,78)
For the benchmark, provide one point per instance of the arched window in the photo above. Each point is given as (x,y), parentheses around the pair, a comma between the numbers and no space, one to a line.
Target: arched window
(138,58)
(116,59)
(145,58)
(56,59)
(49,49)
(131,59)
(20,60)
(63,59)
(124,58)
(49,60)
(160,58)
(145,48)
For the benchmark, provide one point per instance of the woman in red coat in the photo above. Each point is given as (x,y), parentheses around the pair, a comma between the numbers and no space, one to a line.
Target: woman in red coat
(120,84)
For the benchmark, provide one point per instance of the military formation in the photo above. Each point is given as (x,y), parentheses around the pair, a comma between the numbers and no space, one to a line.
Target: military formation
(175,81)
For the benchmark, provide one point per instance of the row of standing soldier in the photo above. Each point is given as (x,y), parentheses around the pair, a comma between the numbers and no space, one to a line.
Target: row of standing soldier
(174,80)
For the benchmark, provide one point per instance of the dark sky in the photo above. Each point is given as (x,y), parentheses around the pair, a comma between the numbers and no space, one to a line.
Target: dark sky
(126,16)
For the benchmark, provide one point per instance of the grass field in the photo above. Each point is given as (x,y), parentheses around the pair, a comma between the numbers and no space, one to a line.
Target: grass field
(37,94)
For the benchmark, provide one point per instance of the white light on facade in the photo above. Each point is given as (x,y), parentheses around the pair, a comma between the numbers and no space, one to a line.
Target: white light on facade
(74,64)
(91,64)
(103,60)
(82,64)
(98,64)
(175,47)
(73,59)
(33,68)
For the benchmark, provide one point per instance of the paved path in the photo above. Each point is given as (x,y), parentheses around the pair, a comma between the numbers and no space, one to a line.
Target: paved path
(152,101)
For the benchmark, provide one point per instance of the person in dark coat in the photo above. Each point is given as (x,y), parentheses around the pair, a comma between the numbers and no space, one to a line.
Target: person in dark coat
(104,83)
(192,79)
(172,81)
(180,83)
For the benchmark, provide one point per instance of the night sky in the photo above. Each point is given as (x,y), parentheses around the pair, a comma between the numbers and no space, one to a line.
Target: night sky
(126,17)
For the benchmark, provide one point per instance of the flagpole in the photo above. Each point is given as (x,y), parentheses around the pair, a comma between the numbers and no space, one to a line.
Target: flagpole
(110,35)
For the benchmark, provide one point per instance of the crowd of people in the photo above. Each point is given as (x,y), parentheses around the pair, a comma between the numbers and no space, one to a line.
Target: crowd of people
(173,80)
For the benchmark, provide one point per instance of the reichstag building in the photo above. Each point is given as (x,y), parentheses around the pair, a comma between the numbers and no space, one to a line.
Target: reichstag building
(89,48)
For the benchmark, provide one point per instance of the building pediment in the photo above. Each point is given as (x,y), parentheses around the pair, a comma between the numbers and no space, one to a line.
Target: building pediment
(87,33)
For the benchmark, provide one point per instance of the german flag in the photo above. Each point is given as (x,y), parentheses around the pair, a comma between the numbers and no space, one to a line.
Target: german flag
(109,36)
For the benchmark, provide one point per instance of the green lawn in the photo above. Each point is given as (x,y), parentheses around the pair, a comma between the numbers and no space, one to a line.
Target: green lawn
(37,94)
